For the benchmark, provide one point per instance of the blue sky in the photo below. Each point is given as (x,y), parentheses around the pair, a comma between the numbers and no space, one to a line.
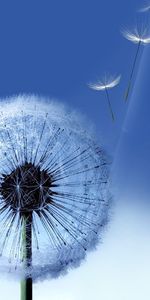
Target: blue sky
(54,48)
(132,162)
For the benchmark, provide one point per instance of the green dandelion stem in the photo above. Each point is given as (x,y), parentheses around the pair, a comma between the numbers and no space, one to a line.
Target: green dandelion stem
(26,283)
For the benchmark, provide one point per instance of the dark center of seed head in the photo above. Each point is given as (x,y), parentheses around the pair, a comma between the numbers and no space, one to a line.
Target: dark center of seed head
(27,188)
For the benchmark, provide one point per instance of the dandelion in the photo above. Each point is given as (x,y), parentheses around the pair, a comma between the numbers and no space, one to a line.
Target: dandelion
(139,37)
(104,85)
(54,195)
(146,8)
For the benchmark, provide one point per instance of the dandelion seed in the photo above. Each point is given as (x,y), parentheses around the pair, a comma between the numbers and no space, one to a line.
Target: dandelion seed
(146,8)
(139,37)
(54,195)
(104,85)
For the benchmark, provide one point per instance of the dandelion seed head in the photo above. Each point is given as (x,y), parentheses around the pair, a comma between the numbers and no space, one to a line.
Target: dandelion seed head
(107,82)
(50,167)
(138,35)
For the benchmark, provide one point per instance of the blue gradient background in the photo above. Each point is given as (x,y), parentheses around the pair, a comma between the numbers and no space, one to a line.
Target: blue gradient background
(54,48)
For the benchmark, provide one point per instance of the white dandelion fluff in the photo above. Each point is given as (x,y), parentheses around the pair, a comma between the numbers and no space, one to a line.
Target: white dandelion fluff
(140,37)
(106,83)
(137,37)
(145,8)
(53,188)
